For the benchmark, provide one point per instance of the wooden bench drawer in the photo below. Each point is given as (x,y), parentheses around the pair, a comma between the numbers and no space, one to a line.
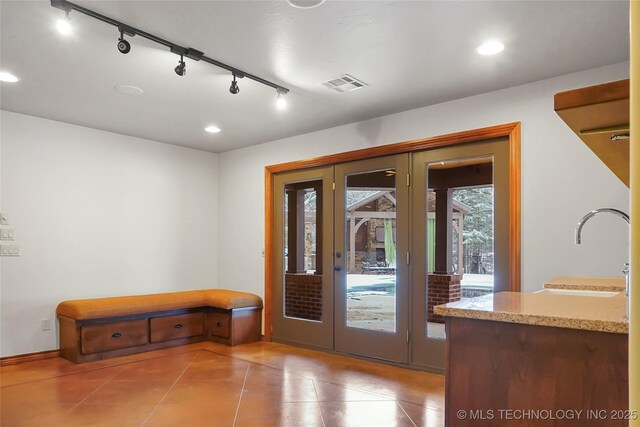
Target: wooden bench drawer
(220,325)
(168,328)
(113,336)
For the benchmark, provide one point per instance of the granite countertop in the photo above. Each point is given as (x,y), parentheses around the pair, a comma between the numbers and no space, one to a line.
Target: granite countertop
(587,283)
(603,314)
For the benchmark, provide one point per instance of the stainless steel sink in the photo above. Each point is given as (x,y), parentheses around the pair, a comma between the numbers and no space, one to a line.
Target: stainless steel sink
(578,293)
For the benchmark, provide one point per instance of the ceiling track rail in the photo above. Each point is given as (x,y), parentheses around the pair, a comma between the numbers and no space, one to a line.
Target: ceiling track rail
(188,52)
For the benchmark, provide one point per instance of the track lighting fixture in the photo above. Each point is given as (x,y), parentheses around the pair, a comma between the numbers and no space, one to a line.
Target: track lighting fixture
(123,45)
(281,102)
(234,89)
(64,25)
(181,68)
(191,53)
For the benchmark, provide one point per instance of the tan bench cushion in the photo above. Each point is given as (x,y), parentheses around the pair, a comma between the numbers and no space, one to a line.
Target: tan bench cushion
(222,298)
(127,305)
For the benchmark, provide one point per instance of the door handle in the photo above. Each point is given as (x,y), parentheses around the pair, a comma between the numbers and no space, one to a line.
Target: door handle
(338,255)
(337,268)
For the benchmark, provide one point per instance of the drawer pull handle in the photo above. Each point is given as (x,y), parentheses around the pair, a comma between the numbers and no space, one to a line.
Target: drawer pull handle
(178,326)
(219,324)
(116,335)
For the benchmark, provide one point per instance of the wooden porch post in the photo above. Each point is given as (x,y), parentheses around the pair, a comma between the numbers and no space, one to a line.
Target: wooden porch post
(444,216)
(295,224)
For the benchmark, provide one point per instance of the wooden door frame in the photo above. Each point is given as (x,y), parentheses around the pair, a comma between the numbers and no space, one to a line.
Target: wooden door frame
(509,130)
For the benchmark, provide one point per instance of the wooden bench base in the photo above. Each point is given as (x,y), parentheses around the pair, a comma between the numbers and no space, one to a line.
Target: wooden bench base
(97,339)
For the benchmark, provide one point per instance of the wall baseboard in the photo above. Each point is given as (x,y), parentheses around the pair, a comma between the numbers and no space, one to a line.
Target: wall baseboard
(40,355)
(29,357)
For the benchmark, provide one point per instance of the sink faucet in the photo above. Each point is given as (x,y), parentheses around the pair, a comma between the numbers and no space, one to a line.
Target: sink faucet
(616,212)
(593,213)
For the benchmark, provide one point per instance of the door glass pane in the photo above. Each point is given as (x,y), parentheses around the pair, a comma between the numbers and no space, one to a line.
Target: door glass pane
(302,251)
(370,250)
(460,231)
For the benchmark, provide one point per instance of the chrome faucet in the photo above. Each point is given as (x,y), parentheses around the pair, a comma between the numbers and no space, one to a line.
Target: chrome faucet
(616,212)
(594,213)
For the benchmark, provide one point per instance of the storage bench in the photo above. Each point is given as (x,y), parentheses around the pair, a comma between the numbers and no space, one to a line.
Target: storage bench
(100,328)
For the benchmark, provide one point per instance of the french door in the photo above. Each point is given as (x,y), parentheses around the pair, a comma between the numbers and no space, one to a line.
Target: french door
(370,259)
(364,250)
(460,236)
(341,265)
(303,241)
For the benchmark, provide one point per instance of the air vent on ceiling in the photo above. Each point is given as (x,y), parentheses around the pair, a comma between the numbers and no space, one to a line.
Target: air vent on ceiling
(345,83)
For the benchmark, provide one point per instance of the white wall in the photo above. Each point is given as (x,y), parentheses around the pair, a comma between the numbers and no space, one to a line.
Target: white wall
(561,180)
(98,214)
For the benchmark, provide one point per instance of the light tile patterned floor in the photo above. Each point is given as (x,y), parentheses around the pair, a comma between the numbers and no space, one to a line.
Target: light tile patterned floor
(207,384)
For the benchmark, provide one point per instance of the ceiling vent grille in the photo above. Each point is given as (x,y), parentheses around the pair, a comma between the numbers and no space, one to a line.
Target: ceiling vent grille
(345,83)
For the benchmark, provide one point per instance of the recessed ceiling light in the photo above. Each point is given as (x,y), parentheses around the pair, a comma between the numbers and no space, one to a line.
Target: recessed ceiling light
(212,129)
(64,26)
(128,90)
(8,77)
(490,48)
(305,4)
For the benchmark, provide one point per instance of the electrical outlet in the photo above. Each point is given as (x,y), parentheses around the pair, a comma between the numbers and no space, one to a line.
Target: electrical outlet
(9,250)
(6,233)
(45,325)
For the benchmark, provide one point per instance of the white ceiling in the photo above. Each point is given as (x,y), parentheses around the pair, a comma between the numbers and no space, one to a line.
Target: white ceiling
(410,53)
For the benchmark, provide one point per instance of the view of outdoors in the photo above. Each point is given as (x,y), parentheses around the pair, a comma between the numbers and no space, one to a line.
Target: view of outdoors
(371,291)
(477,264)
(370,256)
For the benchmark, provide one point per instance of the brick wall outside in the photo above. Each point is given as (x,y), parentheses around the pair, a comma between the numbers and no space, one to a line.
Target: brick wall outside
(303,296)
(442,289)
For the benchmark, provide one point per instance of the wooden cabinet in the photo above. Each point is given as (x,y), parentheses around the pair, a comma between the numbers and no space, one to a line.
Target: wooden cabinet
(96,339)
(168,328)
(494,366)
(599,115)
(219,325)
(237,326)
(113,336)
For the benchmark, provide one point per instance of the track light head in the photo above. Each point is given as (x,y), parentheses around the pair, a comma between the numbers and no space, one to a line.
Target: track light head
(281,102)
(181,68)
(64,25)
(123,45)
(234,89)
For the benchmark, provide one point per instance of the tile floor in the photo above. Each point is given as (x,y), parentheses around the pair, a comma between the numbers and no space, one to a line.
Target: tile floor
(208,384)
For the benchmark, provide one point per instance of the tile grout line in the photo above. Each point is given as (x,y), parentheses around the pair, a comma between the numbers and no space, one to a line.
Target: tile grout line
(98,368)
(246,375)
(318,402)
(305,376)
(169,391)
(89,395)
(407,415)
(387,398)
(426,406)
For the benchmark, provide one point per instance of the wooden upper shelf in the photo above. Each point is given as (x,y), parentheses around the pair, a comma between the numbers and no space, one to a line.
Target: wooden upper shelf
(599,115)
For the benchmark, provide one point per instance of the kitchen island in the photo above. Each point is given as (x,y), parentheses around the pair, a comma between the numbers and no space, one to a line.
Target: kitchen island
(531,359)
